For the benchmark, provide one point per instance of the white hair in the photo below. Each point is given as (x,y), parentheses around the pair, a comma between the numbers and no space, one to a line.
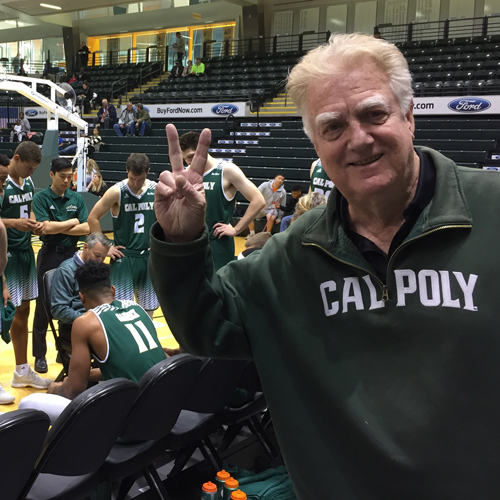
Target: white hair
(341,52)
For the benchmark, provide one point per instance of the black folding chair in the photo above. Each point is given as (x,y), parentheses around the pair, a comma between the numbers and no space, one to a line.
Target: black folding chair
(22,434)
(79,442)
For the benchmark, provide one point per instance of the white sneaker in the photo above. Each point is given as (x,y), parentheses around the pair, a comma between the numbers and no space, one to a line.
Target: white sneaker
(30,379)
(249,235)
(5,397)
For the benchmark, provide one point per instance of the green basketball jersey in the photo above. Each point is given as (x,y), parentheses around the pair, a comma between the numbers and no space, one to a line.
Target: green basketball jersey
(133,347)
(135,218)
(320,182)
(17,202)
(220,208)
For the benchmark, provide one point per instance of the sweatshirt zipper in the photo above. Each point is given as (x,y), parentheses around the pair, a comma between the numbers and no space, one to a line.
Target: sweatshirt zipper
(385,289)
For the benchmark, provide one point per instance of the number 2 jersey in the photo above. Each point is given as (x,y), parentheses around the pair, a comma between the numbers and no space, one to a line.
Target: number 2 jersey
(133,347)
(16,204)
(136,216)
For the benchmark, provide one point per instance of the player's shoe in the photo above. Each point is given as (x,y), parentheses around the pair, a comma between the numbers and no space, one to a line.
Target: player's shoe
(30,379)
(5,397)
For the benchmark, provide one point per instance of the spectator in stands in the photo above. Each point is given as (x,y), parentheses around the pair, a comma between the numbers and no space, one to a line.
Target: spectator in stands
(72,79)
(97,186)
(83,54)
(64,217)
(275,195)
(307,202)
(65,302)
(106,115)
(221,181)
(86,96)
(16,131)
(289,209)
(142,121)
(176,71)
(91,169)
(198,68)
(126,118)
(180,47)
(25,127)
(106,334)
(83,76)
(94,142)
(255,242)
(187,69)
(16,61)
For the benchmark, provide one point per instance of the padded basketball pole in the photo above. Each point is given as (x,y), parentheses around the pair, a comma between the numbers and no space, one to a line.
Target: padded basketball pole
(20,85)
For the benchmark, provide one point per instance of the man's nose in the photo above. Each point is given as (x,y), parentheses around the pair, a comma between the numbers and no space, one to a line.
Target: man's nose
(359,135)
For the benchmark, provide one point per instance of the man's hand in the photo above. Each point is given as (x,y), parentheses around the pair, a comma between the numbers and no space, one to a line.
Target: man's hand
(179,195)
(55,388)
(114,252)
(26,225)
(38,231)
(221,230)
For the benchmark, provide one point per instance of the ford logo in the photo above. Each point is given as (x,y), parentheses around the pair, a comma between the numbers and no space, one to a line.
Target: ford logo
(31,112)
(469,105)
(224,109)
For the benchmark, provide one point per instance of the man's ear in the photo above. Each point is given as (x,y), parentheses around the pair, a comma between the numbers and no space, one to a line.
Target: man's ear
(411,119)
(82,298)
(113,291)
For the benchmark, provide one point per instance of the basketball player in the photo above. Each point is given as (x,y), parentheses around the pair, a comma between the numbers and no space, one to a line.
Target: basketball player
(131,205)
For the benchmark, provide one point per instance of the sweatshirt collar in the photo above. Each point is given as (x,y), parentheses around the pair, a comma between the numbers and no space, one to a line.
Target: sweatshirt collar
(447,207)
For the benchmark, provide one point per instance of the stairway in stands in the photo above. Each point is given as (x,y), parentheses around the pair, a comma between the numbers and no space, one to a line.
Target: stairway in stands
(281,105)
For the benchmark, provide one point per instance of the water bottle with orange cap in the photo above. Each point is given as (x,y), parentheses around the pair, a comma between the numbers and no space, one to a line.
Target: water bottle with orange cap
(238,495)
(209,491)
(220,479)
(230,485)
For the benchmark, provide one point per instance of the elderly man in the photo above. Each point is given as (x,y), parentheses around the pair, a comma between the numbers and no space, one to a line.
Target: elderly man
(65,301)
(126,118)
(382,374)
(106,116)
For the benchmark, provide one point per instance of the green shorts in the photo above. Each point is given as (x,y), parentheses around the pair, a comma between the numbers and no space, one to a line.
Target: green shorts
(20,274)
(130,278)
(222,251)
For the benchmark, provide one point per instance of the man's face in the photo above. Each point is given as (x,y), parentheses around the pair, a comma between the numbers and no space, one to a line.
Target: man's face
(62,179)
(21,116)
(296,194)
(279,180)
(24,169)
(97,252)
(359,131)
(188,155)
(4,172)
(129,107)
(135,182)
(104,103)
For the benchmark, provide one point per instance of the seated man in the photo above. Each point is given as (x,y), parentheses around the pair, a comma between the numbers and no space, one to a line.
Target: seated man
(275,195)
(142,121)
(289,209)
(65,301)
(119,334)
(127,116)
(106,116)
(176,71)
(198,68)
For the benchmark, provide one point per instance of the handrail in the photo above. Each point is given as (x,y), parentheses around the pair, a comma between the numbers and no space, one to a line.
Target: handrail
(141,75)
(123,79)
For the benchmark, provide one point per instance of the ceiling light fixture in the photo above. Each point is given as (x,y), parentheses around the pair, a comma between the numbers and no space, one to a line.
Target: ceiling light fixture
(48,6)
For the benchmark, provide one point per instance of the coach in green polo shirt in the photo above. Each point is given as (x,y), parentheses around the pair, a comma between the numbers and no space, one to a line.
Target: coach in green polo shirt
(64,216)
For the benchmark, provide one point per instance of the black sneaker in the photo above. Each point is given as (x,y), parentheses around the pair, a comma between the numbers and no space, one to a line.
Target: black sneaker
(41,365)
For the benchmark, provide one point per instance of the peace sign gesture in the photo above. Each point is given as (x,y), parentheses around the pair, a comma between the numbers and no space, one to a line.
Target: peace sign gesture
(179,195)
